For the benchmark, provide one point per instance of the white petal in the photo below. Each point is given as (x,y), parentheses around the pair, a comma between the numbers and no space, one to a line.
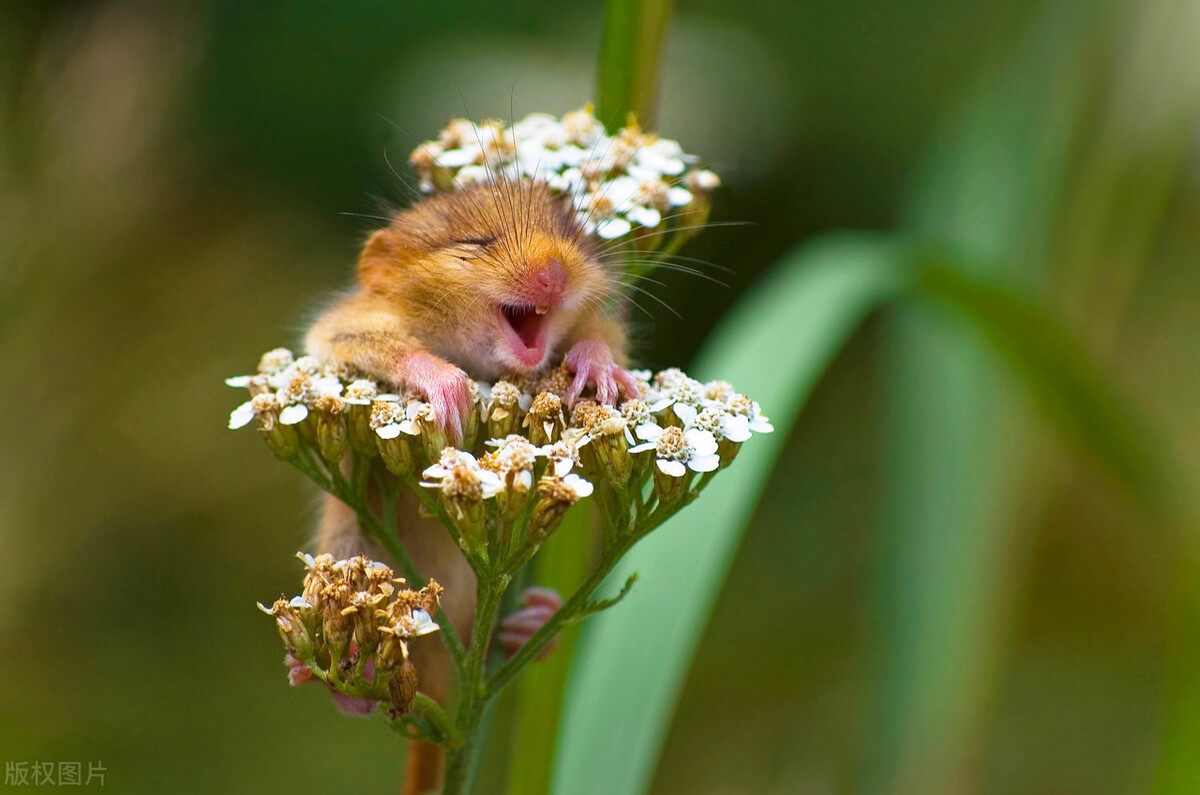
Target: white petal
(456,158)
(685,412)
(241,416)
(424,623)
(327,385)
(649,431)
(525,401)
(642,447)
(238,381)
(761,424)
(613,228)
(679,196)
(435,471)
(700,442)
(562,466)
(388,431)
(675,469)
(578,485)
(704,463)
(661,404)
(645,216)
(293,414)
(735,428)
(525,478)
(620,192)
(298,602)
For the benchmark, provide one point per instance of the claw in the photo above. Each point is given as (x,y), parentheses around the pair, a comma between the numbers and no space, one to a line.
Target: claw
(592,362)
(444,386)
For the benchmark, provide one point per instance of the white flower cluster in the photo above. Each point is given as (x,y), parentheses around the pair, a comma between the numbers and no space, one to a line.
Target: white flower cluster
(286,389)
(509,467)
(687,425)
(707,414)
(618,183)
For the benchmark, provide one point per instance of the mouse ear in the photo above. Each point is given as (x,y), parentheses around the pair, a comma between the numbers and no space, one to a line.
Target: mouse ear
(377,259)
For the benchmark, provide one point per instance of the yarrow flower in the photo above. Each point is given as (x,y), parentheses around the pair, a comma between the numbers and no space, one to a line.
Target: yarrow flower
(534,457)
(632,180)
(677,451)
(350,627)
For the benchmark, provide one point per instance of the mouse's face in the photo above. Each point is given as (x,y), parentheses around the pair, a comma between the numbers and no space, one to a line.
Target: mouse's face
(497,275)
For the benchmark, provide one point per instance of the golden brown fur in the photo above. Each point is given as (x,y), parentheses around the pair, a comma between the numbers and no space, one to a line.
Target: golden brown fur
(425,316)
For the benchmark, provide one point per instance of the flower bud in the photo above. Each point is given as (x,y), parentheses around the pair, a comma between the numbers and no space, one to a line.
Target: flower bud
(332,435)
(669,488)
(545,419)
(291,626)
(403,689)
(282,439)
(397,454)
(555,496)
(504,412)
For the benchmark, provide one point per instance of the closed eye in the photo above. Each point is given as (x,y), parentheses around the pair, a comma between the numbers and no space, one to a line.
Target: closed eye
(482,242)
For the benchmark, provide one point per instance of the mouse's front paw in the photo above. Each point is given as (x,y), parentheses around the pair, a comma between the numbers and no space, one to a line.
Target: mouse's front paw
(592,362)
(517,629)
(445,387)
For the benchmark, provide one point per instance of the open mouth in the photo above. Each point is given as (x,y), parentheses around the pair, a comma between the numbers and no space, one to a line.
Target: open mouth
(526,327)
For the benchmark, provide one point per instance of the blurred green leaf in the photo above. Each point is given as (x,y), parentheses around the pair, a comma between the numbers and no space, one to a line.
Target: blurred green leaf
(632,660)
(562,564)
(967,471)
(1077,396)
(630,53)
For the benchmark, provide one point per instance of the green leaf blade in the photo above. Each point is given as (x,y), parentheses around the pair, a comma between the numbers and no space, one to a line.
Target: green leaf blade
(633,660)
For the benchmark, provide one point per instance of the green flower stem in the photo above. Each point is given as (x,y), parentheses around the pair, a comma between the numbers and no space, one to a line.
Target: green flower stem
(565,614)
(386,534)
(474,696)
(438,719)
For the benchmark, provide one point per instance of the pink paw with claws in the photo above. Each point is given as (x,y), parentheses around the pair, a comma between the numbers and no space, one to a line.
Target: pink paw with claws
(592,362)
(445,387)
(518,628)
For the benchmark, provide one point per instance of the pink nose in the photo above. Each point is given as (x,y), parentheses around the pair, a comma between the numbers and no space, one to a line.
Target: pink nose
(548,283)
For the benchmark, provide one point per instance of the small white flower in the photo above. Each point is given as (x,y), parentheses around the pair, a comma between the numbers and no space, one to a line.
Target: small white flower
(581,487)
(423,624)
(743,406)
(679,197)
(677,451)
(702,180)
(664,156)
(613,228)
(644,216)
(459,475)
(361,392)
(290,415)
(242,415)
(678,391)
(389,419)
(563,455)
(275,361)
(457,158)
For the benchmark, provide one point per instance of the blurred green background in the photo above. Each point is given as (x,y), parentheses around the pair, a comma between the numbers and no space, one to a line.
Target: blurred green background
(941,591)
